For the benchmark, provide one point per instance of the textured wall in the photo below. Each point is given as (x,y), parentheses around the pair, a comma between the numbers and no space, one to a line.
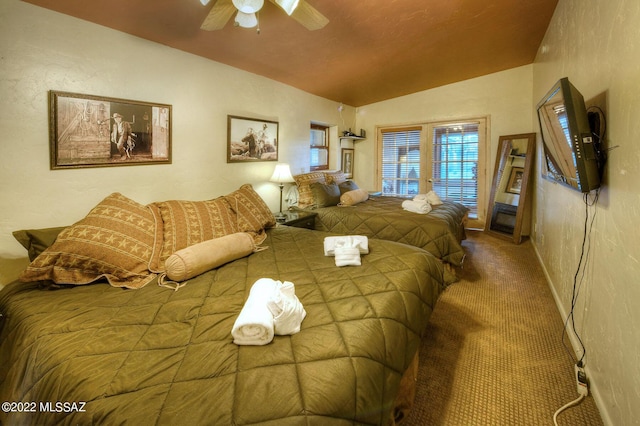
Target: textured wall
(42,50)
(597,45)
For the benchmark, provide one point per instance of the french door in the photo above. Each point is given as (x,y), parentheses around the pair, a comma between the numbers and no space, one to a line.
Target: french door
(447,157)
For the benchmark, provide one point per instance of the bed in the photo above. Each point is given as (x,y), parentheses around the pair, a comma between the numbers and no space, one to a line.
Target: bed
(439,232)
(93,353)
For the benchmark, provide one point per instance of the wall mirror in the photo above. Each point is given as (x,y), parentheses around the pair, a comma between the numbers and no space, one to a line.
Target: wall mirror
(509,214)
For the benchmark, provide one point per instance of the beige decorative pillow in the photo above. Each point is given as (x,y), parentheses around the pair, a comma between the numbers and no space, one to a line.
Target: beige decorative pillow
(354,197)
(305,198)
(199,258)
(118,240)
(253,213)
(186,223)
(335,177)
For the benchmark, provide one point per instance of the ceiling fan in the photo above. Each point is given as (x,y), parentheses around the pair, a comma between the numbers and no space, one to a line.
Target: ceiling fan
(246,10)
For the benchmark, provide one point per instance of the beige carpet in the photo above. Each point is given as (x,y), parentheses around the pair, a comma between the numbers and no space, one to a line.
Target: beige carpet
(492,353)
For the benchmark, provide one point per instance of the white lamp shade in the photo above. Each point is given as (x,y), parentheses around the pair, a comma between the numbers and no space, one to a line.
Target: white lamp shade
(288,5)
(246,20)
(248,6)
(282,173)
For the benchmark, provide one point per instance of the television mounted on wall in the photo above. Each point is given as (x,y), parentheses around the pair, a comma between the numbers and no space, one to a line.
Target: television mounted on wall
(572,153)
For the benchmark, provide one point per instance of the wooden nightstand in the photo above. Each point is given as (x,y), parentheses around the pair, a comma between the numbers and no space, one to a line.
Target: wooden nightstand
(299,219)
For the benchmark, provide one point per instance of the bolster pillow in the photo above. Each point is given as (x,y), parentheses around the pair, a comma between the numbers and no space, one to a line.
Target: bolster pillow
(356,196)
(199,258)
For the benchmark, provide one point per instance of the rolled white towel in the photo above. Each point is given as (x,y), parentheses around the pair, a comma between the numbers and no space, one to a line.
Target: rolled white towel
(347,256)
(359,241)
(286,309)
(255,324)
(421,207)
(430,197)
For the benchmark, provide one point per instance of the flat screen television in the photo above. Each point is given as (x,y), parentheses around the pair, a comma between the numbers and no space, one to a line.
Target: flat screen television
(572,153)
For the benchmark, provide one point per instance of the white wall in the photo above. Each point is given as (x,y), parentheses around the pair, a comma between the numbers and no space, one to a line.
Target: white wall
(597,45)
(41,50)
(505,97)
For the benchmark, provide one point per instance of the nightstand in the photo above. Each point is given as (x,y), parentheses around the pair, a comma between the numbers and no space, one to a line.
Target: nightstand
(299,219)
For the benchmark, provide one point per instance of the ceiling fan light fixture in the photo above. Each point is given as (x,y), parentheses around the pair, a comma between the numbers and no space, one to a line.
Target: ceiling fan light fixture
(205,2)
(288,5)
(246,20)
(248,6)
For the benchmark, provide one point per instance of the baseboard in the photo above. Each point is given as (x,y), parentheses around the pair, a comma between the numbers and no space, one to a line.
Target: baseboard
(593,386)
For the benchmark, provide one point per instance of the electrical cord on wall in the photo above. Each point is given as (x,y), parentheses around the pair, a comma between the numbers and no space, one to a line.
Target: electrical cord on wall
(581,378)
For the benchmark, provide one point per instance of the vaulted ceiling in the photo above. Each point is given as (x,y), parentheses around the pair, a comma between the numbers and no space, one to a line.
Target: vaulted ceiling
(371,50)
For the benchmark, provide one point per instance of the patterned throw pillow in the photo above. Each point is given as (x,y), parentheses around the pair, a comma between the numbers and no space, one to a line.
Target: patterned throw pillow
(253,213)
(186,223)
(335,177)
(118,240)
(305,198)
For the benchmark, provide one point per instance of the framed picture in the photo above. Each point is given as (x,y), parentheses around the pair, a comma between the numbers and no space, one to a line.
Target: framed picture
(347,162)
(515,180)
(96,131)
(251,140)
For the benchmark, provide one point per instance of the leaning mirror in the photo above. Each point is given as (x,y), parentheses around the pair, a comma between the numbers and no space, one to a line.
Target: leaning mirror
(509,202)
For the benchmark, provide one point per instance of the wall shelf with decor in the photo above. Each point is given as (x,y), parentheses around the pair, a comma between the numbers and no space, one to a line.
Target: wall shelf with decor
(352,138)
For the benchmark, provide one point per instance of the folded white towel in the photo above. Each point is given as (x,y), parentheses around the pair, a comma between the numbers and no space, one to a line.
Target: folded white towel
(347,256)
(430,197)
(421,207)
(255,324)
(359,241)
(286,309)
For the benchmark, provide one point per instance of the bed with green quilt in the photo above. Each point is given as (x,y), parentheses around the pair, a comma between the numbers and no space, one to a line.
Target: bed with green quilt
(343,208)
(439,232)
(95,353)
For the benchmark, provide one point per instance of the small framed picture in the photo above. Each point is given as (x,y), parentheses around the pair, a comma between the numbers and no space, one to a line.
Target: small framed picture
(515,180)
(347,162)
(251,140)
(97,131)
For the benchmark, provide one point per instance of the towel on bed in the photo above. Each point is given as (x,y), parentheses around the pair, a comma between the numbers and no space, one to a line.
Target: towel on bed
(430,197)
(286,309)
(421,207)
(347,256)
(255,324)
(359,241)
(271,308)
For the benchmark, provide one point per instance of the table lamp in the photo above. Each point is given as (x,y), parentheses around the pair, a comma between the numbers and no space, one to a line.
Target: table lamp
(281,175)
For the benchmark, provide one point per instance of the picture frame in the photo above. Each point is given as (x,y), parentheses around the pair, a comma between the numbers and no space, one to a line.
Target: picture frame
(99,131)
(251,140)
(515,180)
(348,155)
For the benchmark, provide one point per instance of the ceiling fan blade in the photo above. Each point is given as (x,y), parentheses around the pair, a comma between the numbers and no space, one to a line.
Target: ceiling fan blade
(218,16)
(308,16)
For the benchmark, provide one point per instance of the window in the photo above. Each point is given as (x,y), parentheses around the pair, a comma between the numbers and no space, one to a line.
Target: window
(319,137)
(400,166)
(448,158)
(454,165)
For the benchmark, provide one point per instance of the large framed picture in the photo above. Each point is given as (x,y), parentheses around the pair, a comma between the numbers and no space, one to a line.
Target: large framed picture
(347,162)
(251,140)
(515,180)
(97,131)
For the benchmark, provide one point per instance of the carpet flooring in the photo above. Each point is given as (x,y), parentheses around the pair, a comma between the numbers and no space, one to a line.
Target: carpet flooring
(492,353)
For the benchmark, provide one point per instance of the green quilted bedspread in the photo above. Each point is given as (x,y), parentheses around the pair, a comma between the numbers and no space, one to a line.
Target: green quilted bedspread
(96,354)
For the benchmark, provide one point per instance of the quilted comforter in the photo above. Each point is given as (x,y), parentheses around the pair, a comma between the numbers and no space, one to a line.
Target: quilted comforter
(439,232)
(95,354)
